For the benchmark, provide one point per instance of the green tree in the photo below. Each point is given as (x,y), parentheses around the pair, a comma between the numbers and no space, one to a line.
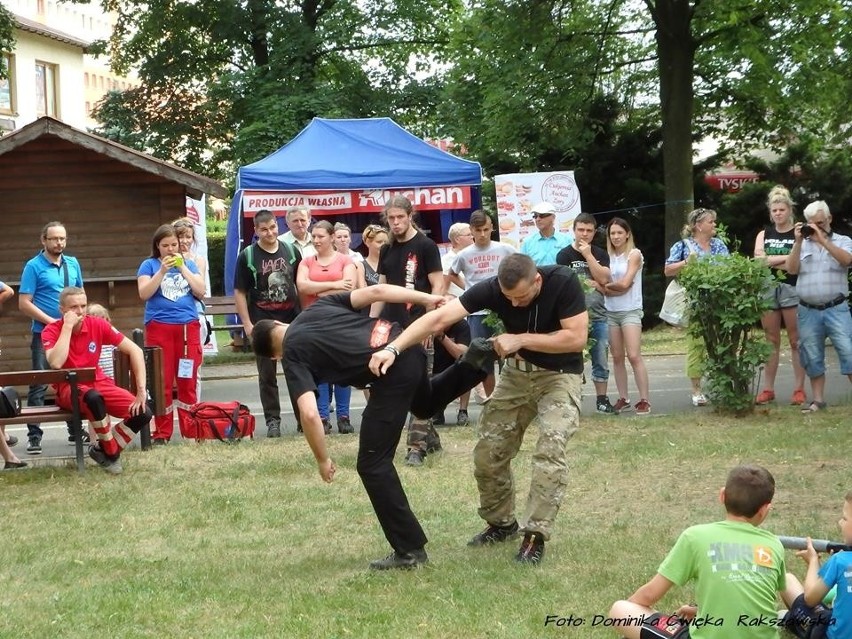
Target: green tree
(7,36)
(225,83)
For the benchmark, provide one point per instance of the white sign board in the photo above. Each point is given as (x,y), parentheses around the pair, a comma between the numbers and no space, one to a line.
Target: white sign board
(518,193)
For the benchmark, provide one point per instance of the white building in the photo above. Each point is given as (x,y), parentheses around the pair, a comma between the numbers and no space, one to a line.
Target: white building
(49,70)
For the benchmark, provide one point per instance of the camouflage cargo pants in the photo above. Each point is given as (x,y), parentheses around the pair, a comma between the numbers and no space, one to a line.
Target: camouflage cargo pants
(520,397)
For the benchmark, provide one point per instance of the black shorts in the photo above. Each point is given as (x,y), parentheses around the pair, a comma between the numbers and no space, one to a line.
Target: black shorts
(660,626)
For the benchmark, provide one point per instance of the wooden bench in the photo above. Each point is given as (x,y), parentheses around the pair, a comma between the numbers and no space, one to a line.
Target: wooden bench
(224,305)
(41,414)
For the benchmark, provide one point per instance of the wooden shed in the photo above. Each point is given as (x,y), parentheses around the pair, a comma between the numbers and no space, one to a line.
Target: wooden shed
(110,198)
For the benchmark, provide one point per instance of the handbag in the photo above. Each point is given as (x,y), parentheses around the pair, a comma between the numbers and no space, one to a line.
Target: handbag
(10,403)
(674,305)
(226,421)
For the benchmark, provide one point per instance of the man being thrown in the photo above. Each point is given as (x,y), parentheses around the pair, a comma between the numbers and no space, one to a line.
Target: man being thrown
(75,341)
(333,342)
(544,312)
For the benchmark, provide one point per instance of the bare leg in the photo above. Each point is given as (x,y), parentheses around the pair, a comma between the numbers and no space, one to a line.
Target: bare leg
(619,368)
(771,322)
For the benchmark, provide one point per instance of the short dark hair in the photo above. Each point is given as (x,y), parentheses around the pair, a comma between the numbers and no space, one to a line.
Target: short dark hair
(748,489)
(514,269)
(263,216)
(49,226)
(478,219)
(585,218)
(69,291)
(261,338)
(164,230)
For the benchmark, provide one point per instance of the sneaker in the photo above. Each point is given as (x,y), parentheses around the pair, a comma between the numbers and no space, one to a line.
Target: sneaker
(531,550)
(494,535)
(622,406)
(112,466)
(480,354)
(643,407)
(798,397)
(698,399)
(462,419)
(34,446)
(84,436)
(764,397)
(603,405)
(415,457)
(11,440)
(401,560)
(344,426)
(10,465)
(273,428)
(438,419)
(326,426)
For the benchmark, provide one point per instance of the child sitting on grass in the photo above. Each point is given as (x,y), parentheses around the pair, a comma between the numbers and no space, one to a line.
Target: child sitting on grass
(837,571)
(738,568)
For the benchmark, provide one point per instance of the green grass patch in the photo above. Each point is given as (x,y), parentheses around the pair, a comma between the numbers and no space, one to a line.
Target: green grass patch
(209,541)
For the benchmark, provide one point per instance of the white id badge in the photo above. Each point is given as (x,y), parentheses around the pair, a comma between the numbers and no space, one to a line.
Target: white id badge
(185,368)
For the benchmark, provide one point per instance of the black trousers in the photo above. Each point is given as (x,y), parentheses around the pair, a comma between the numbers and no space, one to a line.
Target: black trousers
(406,386)
(267,383)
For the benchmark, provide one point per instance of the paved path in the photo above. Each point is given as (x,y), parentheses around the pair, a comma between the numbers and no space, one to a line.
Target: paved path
(670,393)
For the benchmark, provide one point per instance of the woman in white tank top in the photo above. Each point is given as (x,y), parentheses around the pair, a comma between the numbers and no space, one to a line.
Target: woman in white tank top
(623,301)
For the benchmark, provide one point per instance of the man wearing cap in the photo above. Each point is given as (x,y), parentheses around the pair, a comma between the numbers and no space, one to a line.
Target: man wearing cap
(543,246)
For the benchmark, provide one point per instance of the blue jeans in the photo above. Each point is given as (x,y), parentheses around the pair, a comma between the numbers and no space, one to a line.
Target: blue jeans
(342,396)
(814,326)
(599,331)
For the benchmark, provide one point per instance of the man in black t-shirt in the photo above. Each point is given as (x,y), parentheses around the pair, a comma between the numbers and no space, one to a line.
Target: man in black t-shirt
(413,261)
(544,312)
(333,342)
(592,264)
(265,288)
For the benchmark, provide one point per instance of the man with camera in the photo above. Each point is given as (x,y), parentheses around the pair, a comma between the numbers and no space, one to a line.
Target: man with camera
(821,258)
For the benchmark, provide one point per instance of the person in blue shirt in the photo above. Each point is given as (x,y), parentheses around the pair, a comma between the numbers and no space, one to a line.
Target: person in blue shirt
(543,246)
(42,280)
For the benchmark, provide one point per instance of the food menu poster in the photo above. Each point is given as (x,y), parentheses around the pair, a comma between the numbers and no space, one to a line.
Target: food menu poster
(518,193)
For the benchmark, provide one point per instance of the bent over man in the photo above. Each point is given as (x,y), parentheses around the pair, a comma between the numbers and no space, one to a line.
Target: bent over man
(332,341)
(75,341)
(544,312)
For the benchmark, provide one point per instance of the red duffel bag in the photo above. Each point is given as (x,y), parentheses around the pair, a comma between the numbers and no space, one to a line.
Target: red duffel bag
(225,421)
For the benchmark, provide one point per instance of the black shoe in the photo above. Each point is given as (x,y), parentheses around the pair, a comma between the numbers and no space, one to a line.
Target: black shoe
(462,418)
(403,560)
(480,354)
(159,441)
(10,465)
(531,550)
(438,419)
(415,457)
(273,428)
(326,426)
(603,405)
(112,465)
(494,535)
(299,427)
(34,446)
(344,426)
(85,437)
(11,440)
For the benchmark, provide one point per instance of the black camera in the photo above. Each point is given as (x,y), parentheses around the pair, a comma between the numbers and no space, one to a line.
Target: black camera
(806,230)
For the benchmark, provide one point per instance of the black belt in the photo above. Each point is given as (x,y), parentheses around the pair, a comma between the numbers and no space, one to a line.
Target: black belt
(821,307)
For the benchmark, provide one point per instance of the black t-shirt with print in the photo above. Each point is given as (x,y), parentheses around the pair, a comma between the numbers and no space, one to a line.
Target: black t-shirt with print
(271,288)
(409,264)
(332,342)
(561,297)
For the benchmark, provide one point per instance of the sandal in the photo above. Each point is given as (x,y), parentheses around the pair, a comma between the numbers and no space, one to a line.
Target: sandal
(814,407)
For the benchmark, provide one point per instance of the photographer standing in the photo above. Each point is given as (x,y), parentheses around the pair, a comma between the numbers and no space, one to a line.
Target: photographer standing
(821,258)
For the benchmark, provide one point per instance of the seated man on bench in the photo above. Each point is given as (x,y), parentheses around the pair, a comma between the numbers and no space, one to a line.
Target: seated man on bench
(75,341)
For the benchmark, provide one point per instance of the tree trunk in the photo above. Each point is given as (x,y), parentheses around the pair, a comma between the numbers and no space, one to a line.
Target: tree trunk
(676,55)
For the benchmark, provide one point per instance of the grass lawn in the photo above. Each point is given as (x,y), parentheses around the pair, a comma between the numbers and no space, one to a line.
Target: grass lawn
(209,541)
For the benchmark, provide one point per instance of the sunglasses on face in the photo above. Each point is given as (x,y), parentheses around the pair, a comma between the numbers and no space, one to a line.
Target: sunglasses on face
(538,215)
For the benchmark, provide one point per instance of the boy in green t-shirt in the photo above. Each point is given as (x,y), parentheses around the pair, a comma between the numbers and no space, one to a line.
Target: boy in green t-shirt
(738,568)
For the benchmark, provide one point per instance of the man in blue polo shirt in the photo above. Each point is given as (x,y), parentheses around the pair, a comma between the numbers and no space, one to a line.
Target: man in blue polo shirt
(543,246)
(43,279)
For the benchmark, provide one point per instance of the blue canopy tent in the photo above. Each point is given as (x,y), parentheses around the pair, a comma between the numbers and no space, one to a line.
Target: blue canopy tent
(351,167)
